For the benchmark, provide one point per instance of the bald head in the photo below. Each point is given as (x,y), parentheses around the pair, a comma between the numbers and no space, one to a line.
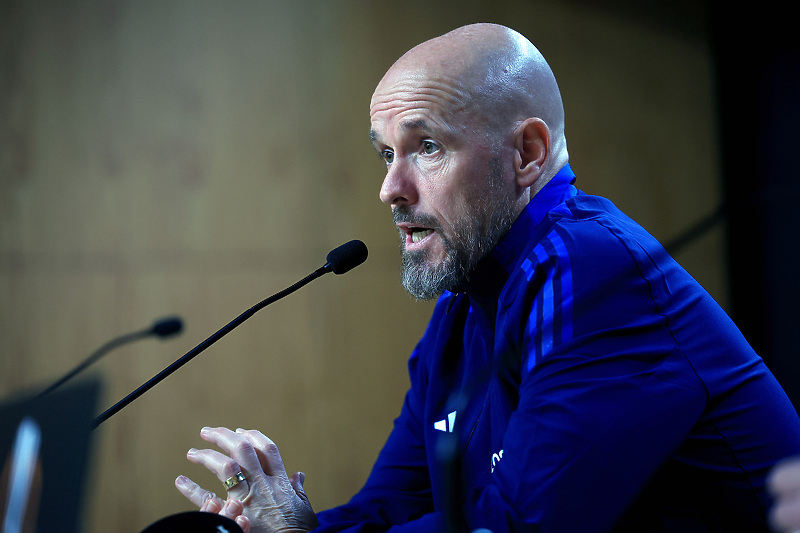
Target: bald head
(492,78)
(470,126)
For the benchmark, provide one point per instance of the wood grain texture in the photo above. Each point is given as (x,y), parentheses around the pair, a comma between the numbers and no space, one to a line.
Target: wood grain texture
(192,158)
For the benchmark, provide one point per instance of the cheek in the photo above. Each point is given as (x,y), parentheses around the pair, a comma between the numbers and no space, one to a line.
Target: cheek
(451,186)
(447,191)
(437,180)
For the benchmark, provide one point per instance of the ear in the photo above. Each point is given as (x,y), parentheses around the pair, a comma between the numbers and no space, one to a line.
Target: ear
(532,149)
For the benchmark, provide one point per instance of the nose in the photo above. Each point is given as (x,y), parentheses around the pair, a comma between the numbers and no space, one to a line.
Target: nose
(399,187)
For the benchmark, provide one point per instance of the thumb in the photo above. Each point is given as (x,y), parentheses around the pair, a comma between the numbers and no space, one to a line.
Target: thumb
(297,480)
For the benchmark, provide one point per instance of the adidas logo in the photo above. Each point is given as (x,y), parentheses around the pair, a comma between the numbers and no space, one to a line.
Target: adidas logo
(447,424)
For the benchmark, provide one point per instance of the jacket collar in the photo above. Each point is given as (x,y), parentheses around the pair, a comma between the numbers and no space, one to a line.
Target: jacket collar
(490,275)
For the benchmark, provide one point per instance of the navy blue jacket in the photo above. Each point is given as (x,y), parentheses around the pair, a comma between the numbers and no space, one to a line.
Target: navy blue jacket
(582,381)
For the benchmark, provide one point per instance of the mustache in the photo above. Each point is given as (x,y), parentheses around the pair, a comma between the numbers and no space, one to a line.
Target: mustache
(406,216)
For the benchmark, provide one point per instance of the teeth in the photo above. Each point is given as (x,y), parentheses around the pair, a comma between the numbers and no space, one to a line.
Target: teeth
(417,236)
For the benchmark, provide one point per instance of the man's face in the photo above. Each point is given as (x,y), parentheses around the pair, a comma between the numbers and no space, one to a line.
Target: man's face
(450,198)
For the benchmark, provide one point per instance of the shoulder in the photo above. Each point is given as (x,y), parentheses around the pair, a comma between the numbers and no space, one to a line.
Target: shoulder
(590,237)
(597,267)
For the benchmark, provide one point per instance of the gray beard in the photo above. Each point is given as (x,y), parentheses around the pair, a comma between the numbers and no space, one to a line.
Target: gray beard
(475,234)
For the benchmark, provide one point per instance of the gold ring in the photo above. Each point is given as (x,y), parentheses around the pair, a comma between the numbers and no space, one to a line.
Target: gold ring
(233,480)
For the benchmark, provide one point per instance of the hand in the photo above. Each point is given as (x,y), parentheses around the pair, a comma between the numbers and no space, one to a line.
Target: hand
(270,500)
(784,484)
(232,509)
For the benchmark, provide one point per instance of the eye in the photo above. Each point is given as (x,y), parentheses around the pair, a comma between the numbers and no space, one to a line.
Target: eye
(387,156)
(429,147)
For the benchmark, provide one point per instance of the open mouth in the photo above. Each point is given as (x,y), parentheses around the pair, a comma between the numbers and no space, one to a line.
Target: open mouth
(417,234)
(415,229)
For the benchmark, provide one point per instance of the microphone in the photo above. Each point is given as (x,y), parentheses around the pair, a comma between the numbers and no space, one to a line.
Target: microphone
(340,260)
(166,327)
(163,328)
(346,257)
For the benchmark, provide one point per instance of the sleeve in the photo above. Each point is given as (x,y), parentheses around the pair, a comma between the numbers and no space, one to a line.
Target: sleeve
(605,399)
(397,496)
(577,453)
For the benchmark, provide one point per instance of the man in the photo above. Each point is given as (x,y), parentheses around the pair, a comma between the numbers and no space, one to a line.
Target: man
(572,378)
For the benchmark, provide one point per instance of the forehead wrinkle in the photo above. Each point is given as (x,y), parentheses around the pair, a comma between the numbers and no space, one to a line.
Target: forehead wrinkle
(419,91)
(416,116)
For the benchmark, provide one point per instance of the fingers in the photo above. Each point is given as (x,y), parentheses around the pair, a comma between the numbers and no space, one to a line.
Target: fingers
(297,480)
(233,509)
(212,505)
(236,446)
(243,522)
(220,465)
(195,493)
(241,458)
(270,499)
(208,502)
(266,451)
(247,451)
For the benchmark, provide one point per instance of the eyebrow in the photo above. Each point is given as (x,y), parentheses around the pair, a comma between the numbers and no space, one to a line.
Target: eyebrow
(419,124)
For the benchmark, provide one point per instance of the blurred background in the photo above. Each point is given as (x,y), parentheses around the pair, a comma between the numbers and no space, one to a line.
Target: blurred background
(195,157)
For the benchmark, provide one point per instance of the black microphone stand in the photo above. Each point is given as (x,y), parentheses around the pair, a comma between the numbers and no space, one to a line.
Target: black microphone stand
(162,328)
(158,378)
(339,261)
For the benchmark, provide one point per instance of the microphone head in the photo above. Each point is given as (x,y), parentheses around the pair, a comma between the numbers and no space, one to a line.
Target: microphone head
(345,257)
(167,326)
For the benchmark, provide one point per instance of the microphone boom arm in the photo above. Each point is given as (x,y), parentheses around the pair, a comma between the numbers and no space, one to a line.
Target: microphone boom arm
(100,352)
(155,380)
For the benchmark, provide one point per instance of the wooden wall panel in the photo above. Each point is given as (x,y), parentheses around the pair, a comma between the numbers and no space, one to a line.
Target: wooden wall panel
(196,157)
